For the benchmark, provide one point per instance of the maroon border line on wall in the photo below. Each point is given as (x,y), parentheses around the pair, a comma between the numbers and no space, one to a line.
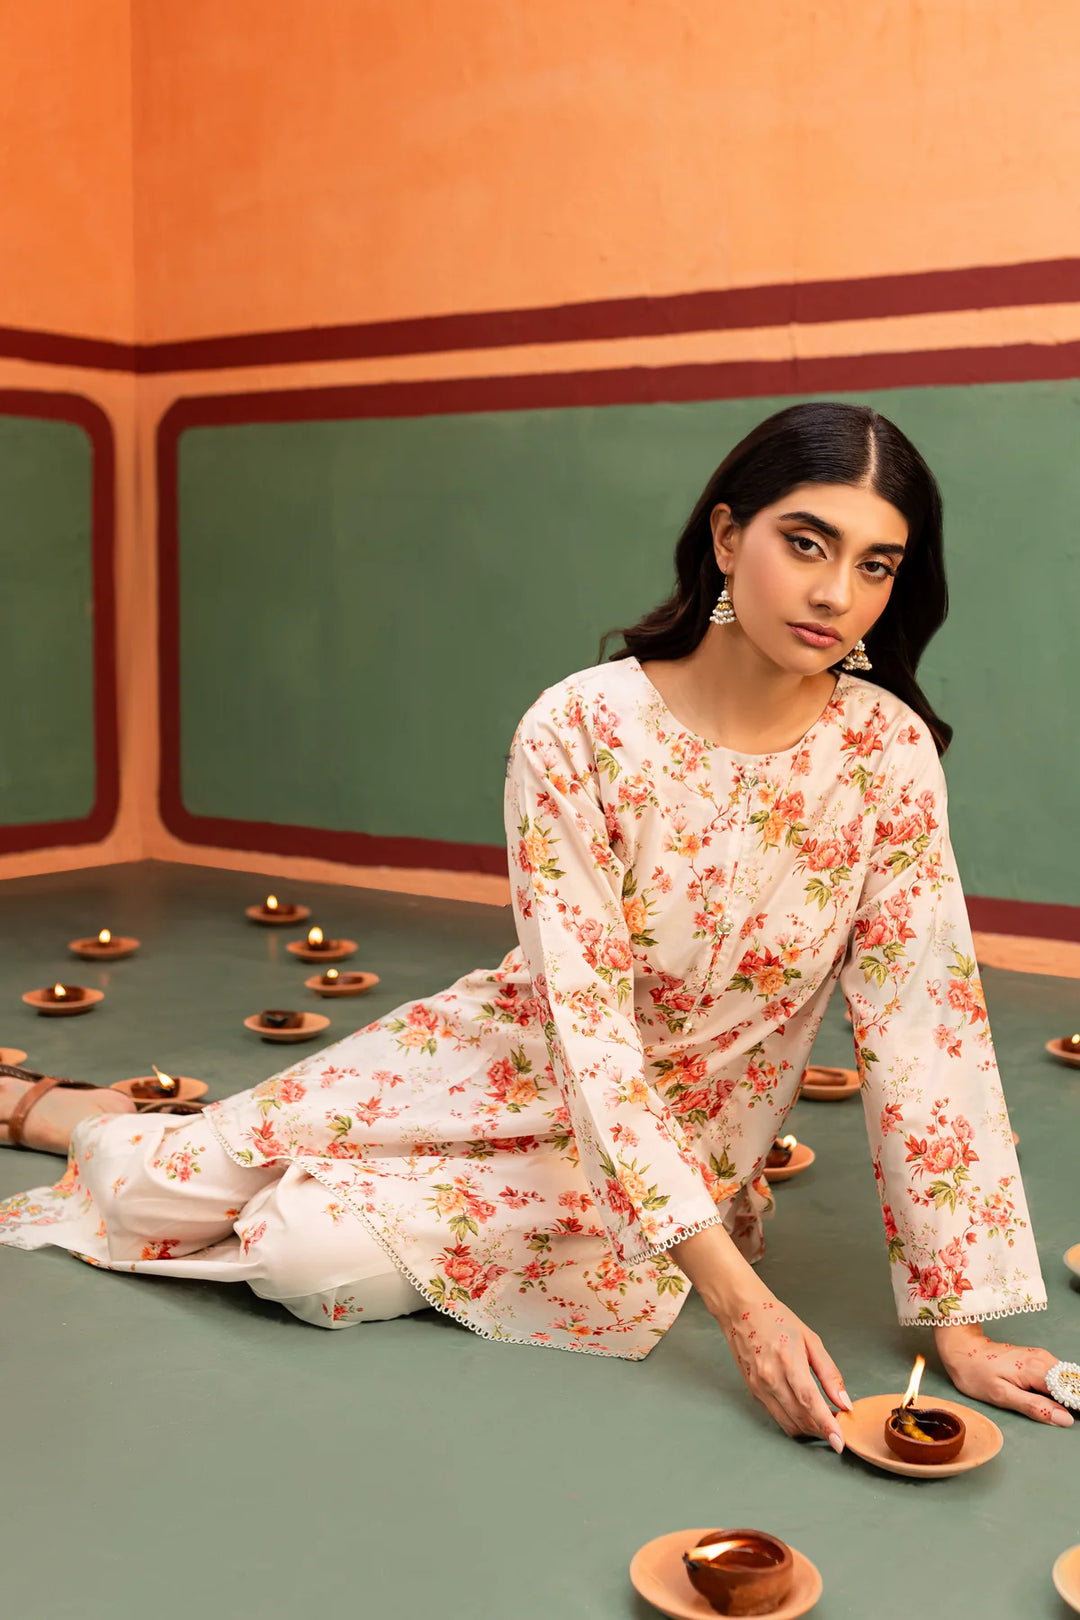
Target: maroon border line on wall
(95,424)
(1017,363)
(925,292)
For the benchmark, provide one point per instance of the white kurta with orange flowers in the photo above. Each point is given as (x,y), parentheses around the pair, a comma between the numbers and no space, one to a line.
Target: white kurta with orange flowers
(529,1143)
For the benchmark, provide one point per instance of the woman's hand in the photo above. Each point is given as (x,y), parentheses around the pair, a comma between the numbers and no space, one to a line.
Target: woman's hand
(777,1354)
(1009,1375)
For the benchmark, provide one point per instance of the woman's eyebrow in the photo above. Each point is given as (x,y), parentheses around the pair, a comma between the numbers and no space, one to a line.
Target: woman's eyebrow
(833,533)
(812,522)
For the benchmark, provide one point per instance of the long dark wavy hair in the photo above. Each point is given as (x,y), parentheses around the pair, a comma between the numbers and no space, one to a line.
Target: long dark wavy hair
(816,443)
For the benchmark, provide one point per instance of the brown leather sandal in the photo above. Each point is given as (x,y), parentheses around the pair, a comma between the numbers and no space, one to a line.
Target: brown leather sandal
(41,1086)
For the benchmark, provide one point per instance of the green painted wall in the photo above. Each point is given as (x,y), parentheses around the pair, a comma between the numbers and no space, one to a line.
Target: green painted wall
(368,607)
(47,770)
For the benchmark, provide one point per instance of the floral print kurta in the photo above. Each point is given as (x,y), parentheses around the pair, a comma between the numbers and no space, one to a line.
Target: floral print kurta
(529,1143)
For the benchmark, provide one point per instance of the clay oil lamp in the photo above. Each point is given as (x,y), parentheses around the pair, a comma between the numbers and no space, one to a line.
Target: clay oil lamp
(160,1088)
(826,1084)
(740,1572)
(278,913)
(919,1434)
(779,1155)
(1067,1049)
(276,1018)
(333,983)
(63,1000)
(279,1024)
(104,946)
(318,948)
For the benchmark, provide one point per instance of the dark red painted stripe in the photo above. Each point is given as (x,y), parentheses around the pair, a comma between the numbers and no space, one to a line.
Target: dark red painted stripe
(1001,286)
(91,418)
(1030,917)
(641,385)
(62,349)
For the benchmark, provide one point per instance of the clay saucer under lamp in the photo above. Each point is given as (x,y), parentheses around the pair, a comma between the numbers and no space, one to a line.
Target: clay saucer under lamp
(1066,1050)
(104,946)
(277,913)
(317,948)
(659,1575)
(823,1084)
(147,1089)
(863,1429)
(1066,1577)
(333,983)
(12,1056)
(300,1026)
(789,1157)
(63,1000)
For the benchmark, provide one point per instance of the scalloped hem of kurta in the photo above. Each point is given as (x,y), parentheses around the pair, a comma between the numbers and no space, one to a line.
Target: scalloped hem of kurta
(973,1318)
(310,1165)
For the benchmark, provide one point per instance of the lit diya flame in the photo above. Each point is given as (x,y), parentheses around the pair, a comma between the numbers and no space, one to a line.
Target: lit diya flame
(165,1081)
(315,936)
(1074,1042)
(104,937)
(330,976)
(716,1549)
(789,1142)
(271,903)
(905,1412)
(59,992)
(912,1391)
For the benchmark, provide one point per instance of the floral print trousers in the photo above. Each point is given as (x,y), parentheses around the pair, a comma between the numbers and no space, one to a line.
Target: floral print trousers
(158,1194)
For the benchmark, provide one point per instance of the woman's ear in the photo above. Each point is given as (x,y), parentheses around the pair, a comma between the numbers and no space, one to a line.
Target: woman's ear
(723,532)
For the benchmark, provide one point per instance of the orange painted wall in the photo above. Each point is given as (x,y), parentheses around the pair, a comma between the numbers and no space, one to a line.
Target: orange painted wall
(348,160)
(67,263)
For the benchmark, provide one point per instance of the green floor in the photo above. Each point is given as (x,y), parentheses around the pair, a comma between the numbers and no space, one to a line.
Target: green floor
(179,1449)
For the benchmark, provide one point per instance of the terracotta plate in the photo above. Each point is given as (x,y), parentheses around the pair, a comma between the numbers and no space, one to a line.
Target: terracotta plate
(1072,1258)
(1057,1049)
(801,1158)
(12,1056)
(827,1093)
(92,950)
(342,948)
(863,1431)
(187,1091)
(313,1023)
(63,1009)
(356,986)
(658,1574)
(1066,1576)
(273,920)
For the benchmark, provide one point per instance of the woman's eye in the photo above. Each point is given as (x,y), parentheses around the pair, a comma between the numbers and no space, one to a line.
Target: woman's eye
(801,540)
(884,571)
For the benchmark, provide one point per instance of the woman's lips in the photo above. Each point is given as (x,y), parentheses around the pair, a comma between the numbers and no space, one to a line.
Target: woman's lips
(811,637)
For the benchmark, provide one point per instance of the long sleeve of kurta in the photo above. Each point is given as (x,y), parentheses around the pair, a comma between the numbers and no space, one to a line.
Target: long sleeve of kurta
(956,1221)
(568,898)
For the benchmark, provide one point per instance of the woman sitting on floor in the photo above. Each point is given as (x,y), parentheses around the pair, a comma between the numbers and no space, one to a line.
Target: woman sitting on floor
(705,833)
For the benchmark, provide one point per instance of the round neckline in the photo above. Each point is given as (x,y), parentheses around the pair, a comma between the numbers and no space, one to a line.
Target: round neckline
(734,753)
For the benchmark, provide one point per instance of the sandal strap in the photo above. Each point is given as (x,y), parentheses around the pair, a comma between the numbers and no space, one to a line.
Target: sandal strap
(41,1087)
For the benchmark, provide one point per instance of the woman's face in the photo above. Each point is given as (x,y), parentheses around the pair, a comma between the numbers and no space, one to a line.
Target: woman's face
(825,555)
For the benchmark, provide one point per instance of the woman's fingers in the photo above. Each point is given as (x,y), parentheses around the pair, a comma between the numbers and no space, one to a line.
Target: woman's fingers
(800,1400)
(1034,1405)
(827,1372)
(815,1416)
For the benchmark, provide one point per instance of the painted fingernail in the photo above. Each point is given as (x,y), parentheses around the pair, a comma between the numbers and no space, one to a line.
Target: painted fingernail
(1062,1419)
(837,1443)
(844,1400)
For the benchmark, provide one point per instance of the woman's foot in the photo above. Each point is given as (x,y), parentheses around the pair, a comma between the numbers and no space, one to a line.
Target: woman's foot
(46,1125)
